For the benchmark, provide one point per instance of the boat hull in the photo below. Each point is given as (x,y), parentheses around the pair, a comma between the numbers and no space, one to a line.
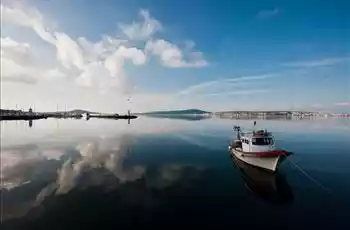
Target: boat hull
(271,187)
(269,163)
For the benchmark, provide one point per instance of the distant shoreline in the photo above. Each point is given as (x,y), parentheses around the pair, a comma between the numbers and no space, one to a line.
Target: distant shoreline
(76,114)
(188,114)
(244,114)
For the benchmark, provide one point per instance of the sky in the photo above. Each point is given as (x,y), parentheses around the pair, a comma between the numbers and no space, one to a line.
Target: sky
(111,56)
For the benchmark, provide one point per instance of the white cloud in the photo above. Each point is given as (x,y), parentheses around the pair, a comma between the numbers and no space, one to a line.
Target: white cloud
(269,13)
(88,75)
(27,17)
(317,105)
(198,87)
(13,72)
(53,74)
(69,52)
(13,50)
(251,78)
(19,64)
(316,63)
(172,56)
(241,92)
(100,49)
(99,64)
(115,61)
(224,86)
(142,30)
(54,61)
(343,104)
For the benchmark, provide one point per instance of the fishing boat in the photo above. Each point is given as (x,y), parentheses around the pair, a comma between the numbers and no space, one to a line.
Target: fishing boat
(257,148)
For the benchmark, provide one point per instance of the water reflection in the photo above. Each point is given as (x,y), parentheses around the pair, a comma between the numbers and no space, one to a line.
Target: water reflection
(107,155)
(99,173)
(61,170)
(53,178)
(271,187)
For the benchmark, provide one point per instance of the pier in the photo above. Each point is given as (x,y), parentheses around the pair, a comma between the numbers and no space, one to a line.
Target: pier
(21,115)
(111,116)
(6,114)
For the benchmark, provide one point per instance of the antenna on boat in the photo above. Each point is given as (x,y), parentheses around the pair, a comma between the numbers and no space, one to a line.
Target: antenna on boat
(238,129)
(254,125)
(129,117)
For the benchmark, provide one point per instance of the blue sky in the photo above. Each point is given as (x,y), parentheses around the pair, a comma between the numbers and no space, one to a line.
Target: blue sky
(215,55)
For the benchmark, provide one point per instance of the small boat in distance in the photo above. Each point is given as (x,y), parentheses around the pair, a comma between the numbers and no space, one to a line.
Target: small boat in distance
(257,148)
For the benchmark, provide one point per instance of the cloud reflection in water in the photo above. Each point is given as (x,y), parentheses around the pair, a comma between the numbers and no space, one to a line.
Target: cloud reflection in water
(91,163)
(107,154)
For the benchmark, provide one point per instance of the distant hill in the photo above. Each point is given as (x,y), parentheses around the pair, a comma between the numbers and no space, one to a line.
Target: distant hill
(79,111)
(75,111)
(178,112)
(186,117)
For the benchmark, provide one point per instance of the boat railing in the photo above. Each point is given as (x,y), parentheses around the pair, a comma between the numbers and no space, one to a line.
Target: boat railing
(264,134)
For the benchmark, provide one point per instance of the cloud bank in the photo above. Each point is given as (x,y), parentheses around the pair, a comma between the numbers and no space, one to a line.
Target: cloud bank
(57,59)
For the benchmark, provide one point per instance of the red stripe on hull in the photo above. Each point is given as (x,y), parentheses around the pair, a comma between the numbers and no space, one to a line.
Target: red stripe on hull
(273,153)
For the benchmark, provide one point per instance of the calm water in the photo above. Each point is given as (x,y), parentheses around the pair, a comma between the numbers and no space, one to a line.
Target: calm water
(79,174)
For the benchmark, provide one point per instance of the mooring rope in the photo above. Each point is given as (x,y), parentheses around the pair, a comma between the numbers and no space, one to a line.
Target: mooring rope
(309,177)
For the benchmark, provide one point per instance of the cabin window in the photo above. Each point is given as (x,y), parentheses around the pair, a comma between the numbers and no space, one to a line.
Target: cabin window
(262,141)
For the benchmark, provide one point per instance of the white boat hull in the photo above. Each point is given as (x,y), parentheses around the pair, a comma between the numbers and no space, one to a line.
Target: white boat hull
(269,163)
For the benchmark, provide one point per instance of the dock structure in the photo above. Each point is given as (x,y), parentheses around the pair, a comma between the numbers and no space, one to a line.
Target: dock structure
(7,114)
(21,115)
(111,116)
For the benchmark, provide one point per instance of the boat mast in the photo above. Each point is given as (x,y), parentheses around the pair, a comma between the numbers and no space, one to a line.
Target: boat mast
(238,129)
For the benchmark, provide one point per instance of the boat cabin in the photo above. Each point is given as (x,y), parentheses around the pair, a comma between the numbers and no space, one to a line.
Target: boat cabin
(259,141)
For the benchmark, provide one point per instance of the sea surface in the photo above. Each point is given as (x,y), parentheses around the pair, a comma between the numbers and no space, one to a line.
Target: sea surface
(108,174)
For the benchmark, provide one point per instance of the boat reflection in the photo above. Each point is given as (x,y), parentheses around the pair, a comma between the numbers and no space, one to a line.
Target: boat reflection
(271,187)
